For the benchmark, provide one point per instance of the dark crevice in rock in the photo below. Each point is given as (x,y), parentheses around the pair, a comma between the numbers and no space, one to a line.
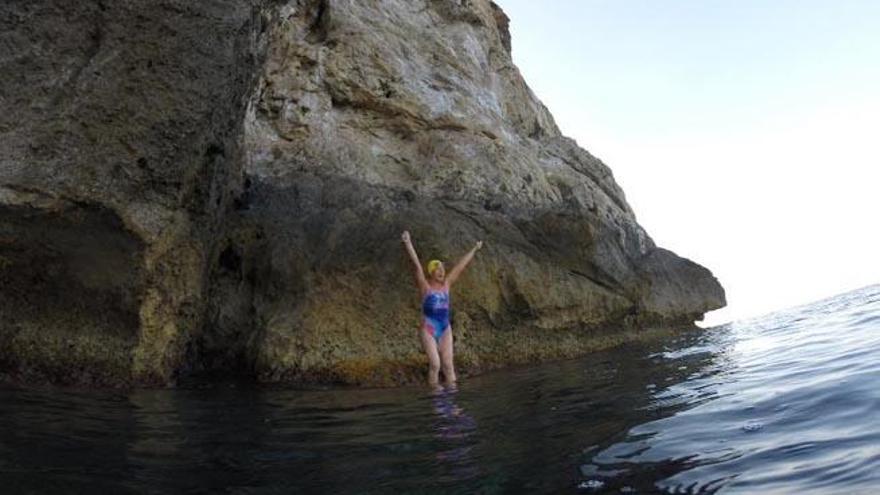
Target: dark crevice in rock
(233,333)
(230,260)
(609,286)
(317,31)
(72,281)
(503,24)
(456,11)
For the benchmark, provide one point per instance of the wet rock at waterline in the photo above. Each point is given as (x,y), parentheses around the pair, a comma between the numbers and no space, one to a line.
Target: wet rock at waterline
(222,186)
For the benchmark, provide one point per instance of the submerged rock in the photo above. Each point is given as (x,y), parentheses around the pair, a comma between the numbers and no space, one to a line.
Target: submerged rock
(222,186)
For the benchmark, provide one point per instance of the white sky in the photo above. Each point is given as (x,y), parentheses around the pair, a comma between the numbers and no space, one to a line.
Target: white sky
(744,133)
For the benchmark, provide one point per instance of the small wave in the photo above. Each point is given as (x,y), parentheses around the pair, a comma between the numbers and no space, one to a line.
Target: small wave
(800,386)
(780,404)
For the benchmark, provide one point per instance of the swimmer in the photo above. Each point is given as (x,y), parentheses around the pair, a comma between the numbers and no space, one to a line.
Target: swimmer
(436,332)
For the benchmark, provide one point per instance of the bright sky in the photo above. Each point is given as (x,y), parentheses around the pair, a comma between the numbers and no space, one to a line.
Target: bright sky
(744,132)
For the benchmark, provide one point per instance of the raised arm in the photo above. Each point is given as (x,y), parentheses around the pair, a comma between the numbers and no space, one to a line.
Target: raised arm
(417,265)
(459,267)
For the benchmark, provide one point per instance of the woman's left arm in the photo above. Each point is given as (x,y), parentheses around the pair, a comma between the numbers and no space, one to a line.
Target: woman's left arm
(462,263)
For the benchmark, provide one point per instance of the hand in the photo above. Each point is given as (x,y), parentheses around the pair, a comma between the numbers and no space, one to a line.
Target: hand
(479,245)
(405,237)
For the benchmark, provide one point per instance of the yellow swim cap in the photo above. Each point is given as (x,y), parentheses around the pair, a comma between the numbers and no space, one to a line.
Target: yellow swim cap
(432,265)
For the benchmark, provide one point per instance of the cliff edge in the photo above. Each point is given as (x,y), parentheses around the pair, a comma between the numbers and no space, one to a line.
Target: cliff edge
(221,186)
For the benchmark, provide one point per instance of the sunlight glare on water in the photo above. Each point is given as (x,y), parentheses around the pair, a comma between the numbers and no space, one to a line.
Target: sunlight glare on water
(791,405)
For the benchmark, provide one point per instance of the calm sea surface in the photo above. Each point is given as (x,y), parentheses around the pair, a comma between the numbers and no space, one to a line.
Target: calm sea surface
(787,403)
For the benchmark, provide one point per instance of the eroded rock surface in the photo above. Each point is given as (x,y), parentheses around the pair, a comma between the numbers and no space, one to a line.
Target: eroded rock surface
(120,149)
(222,186)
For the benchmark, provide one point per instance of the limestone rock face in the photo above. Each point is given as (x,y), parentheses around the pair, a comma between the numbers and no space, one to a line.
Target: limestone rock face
(120,150)
(222,186)
(372,117)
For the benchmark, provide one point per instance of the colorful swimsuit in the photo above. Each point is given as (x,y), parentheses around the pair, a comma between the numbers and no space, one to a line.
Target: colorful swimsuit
(435,310)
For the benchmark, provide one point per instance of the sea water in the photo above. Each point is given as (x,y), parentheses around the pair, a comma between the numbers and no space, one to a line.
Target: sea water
(786,403)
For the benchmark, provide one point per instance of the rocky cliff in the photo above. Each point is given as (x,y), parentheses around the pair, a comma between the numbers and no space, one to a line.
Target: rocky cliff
(221,186)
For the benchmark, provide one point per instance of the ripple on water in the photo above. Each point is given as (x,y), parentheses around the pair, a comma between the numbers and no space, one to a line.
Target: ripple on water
(786,403)
(809,377)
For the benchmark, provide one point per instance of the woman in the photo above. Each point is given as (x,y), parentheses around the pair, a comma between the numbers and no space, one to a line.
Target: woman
(436,333)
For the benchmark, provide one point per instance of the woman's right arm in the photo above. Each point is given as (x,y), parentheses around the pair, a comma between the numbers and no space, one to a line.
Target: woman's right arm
(417,265)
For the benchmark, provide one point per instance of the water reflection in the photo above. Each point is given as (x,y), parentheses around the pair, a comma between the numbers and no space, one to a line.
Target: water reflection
(454,429)
(792,411)
(533,426)
(158,435)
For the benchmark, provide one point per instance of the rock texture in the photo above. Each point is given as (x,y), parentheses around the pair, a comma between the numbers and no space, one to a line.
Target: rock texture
(120,148)
(221,186)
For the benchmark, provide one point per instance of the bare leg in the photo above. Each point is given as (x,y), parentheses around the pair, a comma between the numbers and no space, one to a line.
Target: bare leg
(446,359)
(430,347)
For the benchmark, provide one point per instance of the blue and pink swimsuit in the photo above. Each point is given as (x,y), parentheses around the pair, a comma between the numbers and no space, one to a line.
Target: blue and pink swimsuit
(435,310)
